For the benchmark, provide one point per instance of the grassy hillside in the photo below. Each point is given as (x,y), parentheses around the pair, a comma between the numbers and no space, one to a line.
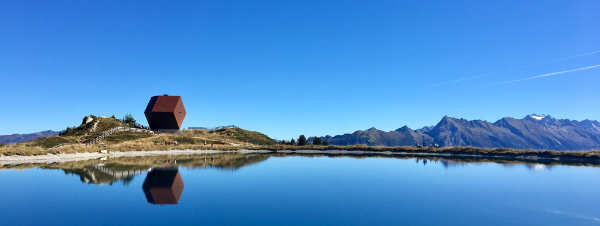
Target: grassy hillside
(76,137)
(82,134)
(230,135)
(48,142)
(88,131)
(262,139)
(119,137)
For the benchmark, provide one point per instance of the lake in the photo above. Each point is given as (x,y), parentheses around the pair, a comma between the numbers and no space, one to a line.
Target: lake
(271,189)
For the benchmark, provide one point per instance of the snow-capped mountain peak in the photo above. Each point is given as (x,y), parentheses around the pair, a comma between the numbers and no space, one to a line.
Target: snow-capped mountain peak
(540,118)
(536,117)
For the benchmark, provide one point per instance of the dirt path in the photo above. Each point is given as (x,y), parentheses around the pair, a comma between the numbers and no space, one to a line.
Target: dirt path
(93,129)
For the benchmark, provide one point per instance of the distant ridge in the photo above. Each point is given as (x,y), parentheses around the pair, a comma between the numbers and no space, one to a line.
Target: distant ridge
(538,132)
(20,138)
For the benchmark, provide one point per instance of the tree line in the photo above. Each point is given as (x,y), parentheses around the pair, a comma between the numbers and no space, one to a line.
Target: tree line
(302,141)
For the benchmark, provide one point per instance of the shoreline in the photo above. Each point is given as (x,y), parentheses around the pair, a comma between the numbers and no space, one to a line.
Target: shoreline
(81,156)
(73,157)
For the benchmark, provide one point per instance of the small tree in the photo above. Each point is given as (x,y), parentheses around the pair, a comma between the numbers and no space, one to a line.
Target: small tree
(129,120)
(1,144)
(302,140)
(292,142)
(325,143)
(68,131)
(317,141)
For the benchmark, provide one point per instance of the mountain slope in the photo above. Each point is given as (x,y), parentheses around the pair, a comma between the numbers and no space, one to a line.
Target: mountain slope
(20,138)
(452,132)
(589,125)
(538,132)
(372,137)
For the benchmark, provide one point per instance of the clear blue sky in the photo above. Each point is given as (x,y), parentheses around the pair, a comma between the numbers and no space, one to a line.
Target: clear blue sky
(287,68)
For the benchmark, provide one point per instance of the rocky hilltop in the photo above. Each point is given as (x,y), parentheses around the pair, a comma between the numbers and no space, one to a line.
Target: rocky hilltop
(538,132)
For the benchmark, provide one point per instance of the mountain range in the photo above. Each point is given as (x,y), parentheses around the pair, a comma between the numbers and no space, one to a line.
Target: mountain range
(538,132)
(20,138)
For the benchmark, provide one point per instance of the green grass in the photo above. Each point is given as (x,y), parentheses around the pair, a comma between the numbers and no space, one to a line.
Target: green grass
(235,134)
(185,140)
(262,139)
(106,124)
(124,136)
(48,142)
(232,133)
(259,137)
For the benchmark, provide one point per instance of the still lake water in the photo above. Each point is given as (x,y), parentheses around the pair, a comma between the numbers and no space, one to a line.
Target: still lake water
(297,190)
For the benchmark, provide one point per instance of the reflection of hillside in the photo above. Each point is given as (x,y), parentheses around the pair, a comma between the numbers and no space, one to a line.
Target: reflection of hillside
(90,175)
(532,167)
(98,174)
(224,161)
(449,163)
(125,168)
(235,163)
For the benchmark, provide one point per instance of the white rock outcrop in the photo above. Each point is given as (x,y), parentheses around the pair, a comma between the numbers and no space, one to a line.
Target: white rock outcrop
(87,119)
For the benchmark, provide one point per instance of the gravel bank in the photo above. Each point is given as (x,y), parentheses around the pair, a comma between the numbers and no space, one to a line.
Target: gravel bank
(58,158)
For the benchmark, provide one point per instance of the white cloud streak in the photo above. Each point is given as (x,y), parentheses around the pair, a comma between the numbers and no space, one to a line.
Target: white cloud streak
(479,76)
(545,75)
(531,65)
(578,216)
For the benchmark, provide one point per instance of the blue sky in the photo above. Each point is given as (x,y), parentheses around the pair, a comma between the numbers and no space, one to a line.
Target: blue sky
(287,68)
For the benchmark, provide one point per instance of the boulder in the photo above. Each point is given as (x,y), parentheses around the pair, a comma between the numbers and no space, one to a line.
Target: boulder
(87,119)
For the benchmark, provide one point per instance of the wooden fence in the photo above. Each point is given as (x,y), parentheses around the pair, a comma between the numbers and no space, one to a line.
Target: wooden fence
(119,129)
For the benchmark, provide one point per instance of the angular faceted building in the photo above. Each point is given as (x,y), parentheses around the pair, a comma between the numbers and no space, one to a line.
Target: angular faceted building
(165,113)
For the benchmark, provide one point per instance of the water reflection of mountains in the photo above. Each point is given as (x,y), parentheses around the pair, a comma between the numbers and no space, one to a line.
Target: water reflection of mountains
(125,168)
(533,167)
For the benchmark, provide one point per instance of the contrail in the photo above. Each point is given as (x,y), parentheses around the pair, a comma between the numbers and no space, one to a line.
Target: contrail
(557,60)
(579,216)
(531,65)
(463,79)
(555,73)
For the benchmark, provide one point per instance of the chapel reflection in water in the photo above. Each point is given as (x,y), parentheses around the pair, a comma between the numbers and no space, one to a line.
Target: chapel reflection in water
(163,186)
